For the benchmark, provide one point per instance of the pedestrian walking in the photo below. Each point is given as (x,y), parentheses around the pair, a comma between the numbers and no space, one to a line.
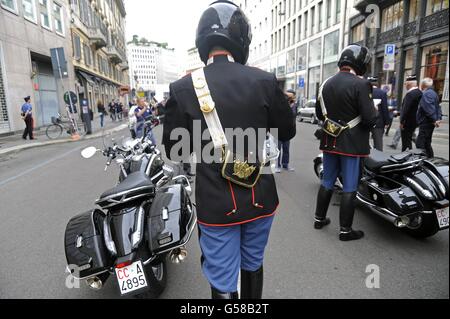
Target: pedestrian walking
(408,115)
(101,111)
(429,116)
(346,107)
(383,118)
(284,147)
(112,110)
(235,203)
(27,116)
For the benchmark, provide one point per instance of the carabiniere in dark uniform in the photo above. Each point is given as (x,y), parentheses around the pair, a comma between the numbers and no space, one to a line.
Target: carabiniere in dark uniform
(345,105)
(234,221)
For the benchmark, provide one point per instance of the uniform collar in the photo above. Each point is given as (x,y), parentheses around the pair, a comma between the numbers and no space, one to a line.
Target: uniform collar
(220,57)
(413,88)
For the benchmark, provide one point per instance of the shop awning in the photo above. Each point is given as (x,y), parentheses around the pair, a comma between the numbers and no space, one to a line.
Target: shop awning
(87,77)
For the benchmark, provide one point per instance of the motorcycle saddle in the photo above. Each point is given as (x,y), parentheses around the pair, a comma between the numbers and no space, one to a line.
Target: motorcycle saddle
(377,159)
(136,183)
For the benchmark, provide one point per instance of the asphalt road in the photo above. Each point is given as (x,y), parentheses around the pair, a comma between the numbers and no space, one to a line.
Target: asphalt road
(42,188)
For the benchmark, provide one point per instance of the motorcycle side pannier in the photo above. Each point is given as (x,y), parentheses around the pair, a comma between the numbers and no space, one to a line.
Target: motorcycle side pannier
(86,252)
(170,220)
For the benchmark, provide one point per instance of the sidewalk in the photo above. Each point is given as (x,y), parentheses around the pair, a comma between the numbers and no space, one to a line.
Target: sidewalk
(15,143)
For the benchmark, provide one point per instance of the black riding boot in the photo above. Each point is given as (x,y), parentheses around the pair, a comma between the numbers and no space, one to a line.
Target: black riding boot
(347,211)
(252,284)
(216,294)
(323,201)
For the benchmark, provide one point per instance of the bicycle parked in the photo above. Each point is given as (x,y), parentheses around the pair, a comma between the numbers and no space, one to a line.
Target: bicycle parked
(58,126)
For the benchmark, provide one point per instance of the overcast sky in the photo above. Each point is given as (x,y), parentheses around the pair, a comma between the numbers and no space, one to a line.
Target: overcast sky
(172,21)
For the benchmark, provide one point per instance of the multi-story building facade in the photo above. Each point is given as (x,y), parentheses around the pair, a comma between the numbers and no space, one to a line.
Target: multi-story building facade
(259,15)
(193,61)
(99,50)
(419,30)
(153,66)
(28,30)
(306,39)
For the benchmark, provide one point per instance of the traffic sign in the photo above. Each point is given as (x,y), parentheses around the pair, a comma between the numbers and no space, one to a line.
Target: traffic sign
(389,57)
(301,83)
(73,98)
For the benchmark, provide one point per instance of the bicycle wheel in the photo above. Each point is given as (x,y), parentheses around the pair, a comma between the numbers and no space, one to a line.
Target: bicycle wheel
(54,131)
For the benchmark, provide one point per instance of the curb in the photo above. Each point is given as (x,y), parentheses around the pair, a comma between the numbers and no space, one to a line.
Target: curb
(41,144)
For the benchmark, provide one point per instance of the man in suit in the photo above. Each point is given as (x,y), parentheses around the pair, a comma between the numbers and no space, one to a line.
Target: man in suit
(383,118)
(408,114)
(234,220)
(429,116)
(346,100)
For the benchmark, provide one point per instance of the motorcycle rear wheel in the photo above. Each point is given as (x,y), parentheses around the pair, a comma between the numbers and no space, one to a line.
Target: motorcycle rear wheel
(157,280)
(427,228)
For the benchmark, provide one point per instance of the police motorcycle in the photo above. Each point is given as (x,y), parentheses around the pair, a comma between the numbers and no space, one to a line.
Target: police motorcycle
(407,189)
(143,221)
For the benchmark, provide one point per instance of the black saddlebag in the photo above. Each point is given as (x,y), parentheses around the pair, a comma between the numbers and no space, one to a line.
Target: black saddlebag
(86,252)
(171,219)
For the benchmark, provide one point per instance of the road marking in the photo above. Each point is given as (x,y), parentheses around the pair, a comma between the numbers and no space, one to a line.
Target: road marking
(10,179)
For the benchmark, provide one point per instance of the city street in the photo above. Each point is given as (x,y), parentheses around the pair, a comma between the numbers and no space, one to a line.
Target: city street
(42,188)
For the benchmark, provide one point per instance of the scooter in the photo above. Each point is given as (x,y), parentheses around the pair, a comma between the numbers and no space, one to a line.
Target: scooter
(407,189)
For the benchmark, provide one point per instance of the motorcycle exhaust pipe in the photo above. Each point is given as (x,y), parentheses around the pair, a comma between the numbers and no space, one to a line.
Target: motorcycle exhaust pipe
(178,255)
(398,221)
(94,283)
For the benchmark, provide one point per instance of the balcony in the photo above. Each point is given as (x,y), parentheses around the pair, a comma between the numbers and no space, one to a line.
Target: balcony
(114,54)
(124,66)
(435,21)
(390,36)
(410,29)
(98,38)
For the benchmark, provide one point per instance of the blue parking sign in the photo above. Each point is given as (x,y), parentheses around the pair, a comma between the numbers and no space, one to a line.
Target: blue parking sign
(301,83)
(390,49)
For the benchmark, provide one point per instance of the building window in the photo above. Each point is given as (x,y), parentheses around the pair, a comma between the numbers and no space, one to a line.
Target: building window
(44,8)
(434,6)
(301,58)
(338,11)
(313,19)
(315,52)
(392,17)
(291,61)
(413,10)
(87,55)
(434,65)
(76,47)
(313,82)
(29,10)
(306,25)
(331,47)
(58,16)
(320,16)
(328,13)
(358,32)
(10,5)
(329,70)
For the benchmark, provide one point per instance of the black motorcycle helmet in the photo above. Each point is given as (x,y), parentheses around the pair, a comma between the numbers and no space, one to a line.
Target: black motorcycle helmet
(357,57)
(224,25)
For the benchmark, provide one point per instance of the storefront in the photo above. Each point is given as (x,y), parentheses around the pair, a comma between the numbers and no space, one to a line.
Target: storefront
(434,65)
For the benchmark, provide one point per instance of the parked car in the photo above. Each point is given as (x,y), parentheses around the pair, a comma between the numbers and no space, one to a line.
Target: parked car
(307,112)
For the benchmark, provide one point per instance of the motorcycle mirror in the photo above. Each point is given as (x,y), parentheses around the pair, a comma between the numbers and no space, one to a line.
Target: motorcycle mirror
(88,152)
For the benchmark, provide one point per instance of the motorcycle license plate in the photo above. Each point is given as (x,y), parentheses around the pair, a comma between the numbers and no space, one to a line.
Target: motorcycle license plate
(442,216)
(131,278)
